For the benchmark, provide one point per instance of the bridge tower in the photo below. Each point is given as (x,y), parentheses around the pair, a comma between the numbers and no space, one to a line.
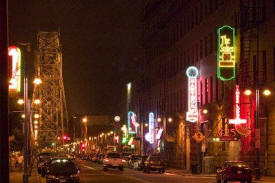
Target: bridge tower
(52,111)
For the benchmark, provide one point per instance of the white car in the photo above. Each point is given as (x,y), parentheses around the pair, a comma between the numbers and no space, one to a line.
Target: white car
(113,160)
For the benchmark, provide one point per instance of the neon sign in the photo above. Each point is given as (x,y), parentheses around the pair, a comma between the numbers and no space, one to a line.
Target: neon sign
(15,75)
(237,119)
(226,53)
(192,113)
(150,135)
(132,124)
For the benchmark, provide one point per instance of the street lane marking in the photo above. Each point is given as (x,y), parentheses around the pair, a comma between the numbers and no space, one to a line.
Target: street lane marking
(169,174)
(88,167)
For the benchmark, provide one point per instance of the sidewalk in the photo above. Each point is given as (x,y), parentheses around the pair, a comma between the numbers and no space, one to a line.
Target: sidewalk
(17,177)
(264,179)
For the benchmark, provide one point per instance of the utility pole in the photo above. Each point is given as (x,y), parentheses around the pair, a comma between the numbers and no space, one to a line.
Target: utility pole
(4,93)
(26,128)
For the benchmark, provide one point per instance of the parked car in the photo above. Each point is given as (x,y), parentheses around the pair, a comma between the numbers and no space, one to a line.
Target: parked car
(100,158)
(95,158)
(113,160)
(126,156)
(43,168)
(62,170)
(141,162)
(234,171)
(154,163)
(134,161)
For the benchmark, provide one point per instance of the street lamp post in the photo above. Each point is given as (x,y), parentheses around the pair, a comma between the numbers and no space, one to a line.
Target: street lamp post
(266,92)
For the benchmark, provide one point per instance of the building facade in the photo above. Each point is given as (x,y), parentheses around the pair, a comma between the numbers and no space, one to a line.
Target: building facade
(180,33)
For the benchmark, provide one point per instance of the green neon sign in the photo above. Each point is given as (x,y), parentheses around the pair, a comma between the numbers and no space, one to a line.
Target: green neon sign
(226,53)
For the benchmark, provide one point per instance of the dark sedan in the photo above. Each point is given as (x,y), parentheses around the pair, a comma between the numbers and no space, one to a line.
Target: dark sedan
(62,171)
(154,163)
(234,171)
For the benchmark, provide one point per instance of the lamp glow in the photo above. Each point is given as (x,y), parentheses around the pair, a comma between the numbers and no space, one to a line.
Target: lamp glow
(247,92)
(37,81)
(20,101)
(84,120)
(266,92)
(204,111)
(37,101)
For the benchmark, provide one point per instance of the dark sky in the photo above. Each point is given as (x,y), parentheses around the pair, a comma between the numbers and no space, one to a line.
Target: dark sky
(100,43)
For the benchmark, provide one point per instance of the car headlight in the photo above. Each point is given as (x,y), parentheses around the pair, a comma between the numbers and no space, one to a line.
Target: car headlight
(51,177)
(74,176)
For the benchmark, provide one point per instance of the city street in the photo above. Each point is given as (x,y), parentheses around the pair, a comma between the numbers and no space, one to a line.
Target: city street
(91,172)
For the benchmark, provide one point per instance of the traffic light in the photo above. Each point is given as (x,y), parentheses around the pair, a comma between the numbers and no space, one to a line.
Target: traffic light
(65,137)
(83,146)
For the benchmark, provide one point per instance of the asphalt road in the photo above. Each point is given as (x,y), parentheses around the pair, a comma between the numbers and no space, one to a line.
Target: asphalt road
(91,172)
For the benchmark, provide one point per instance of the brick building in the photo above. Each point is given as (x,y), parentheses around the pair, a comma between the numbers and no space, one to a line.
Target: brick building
(181,33)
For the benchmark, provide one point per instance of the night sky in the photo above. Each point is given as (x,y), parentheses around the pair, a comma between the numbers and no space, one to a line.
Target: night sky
(100,44)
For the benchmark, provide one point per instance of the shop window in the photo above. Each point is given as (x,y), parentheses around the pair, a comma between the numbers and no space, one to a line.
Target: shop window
(264,67)
(210,6)
(201,49)
(205,46)
(206,90)
(255,70)
(205,9)
(201,96)
(211,89)
(201,11)
(196,16)
(210,43)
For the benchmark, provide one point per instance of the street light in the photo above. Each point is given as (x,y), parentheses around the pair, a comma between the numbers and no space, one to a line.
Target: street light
(117,118)
(37,101)
(35,122)
(37,81)
(247,92)
(23,116)
(159,120)
(204,111)
(20,101)
(84,120)
(170,120)
(36,116)
(266,92)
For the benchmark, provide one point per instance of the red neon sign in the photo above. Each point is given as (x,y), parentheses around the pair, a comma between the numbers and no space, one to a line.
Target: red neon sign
(237,119)
(15,80)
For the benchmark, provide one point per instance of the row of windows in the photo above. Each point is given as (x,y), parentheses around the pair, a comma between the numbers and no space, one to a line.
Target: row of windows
(260,70)
(184,58)
(185,24)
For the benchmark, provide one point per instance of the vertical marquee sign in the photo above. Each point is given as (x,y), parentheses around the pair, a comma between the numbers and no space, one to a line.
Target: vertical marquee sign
(132,124)
(150,136)
(226,53)
(237,119)
(192,113)
(15,69)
